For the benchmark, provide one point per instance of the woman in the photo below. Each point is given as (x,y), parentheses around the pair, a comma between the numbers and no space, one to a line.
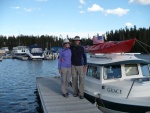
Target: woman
(64,67)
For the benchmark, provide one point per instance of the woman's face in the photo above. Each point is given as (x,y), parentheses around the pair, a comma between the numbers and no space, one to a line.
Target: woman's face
(67,45)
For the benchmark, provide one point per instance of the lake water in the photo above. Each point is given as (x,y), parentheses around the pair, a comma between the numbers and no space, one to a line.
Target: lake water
(18,92)
(18,84)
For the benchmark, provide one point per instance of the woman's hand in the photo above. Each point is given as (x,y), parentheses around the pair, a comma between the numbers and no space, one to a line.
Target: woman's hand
(60,71)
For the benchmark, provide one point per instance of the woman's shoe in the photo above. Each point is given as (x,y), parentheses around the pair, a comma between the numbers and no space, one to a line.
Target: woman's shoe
(65,95)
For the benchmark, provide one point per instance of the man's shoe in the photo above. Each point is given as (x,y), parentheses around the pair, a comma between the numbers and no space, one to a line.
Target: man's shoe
(81,97)
(75,95)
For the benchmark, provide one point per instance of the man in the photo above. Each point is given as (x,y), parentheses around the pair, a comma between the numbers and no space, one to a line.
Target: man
(78,68)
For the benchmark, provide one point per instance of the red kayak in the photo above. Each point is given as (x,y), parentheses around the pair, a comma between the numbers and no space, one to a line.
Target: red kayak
(112,47)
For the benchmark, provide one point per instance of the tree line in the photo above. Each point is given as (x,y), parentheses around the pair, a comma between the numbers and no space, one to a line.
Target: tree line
(142,35)
(47,41)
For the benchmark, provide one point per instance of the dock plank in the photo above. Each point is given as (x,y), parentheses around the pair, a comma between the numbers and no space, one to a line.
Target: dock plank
(53,102)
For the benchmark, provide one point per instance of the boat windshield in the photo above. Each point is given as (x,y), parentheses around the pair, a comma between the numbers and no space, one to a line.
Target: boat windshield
(111,72)
(93,71)
(36,50)
(145,69)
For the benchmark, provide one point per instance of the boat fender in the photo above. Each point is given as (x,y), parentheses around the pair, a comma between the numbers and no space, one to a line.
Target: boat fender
(95,103)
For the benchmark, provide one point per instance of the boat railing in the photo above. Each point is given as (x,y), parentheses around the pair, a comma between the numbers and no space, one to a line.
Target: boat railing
(143,80)
(100,56)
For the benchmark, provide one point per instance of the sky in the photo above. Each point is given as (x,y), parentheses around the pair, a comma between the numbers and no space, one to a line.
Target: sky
(84,18)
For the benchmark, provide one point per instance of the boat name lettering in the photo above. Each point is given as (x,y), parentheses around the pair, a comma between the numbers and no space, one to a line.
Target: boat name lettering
(118,91)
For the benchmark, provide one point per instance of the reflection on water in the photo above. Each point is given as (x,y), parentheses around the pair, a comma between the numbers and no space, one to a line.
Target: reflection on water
(18,84)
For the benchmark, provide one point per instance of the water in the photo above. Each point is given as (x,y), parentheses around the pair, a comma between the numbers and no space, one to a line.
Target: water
(18,92)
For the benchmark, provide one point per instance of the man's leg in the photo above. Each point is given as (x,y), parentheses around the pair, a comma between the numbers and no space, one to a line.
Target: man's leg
(81,80)
(74,80)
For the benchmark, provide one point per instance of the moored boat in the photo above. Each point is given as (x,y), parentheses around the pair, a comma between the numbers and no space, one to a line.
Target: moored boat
(35,52)
(50,55)
(118,82)
(20,51)
(112,46)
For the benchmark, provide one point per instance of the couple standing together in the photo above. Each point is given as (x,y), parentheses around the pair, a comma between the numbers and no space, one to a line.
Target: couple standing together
(72,61)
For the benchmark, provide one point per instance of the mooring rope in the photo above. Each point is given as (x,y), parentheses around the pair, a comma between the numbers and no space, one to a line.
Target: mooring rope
(139,42)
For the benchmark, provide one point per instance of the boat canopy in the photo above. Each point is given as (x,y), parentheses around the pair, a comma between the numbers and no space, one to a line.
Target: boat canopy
(111,59)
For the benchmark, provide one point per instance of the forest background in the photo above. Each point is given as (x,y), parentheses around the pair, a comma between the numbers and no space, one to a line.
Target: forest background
(47,41)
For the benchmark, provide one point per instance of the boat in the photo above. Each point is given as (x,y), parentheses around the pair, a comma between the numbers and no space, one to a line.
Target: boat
(2,52)
(50,55)
(35,52)
(112,46)
(20,51)
(118,83)
(5,49)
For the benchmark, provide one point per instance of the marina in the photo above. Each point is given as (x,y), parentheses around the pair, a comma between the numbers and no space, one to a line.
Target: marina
(75,56)
(53,101)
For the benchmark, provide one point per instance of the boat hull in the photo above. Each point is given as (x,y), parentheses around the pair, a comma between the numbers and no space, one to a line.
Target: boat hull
(112,47)
(113,107)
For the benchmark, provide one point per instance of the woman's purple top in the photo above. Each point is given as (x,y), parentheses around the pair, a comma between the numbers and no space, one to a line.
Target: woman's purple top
(64,58)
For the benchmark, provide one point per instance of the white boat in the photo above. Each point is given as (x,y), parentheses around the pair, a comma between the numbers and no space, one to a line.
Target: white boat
(20,51)
(35,52)
(119,83)
(5,49)
(49,55)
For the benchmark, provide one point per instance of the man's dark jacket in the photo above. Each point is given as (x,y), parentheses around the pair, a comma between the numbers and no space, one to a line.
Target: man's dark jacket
(78,55)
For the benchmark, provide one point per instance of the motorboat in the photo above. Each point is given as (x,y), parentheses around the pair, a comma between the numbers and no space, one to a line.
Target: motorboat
(20,51)
(50,55)
(5,49)
(35,52)
(118,83)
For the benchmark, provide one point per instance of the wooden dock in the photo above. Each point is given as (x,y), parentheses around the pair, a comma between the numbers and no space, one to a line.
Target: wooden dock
(53,102)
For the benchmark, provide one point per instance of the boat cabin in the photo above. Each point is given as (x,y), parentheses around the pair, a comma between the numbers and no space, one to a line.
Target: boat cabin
(20,50)
(105,68)
(35,52)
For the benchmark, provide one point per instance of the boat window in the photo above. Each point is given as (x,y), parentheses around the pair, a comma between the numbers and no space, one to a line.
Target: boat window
(111,72)
(131,69)
(145,70)
(93,71)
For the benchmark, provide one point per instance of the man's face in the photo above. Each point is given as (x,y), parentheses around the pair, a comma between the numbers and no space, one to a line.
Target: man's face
(77,42)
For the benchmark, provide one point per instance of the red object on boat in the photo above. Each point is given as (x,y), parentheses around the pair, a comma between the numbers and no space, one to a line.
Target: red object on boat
(112,47)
